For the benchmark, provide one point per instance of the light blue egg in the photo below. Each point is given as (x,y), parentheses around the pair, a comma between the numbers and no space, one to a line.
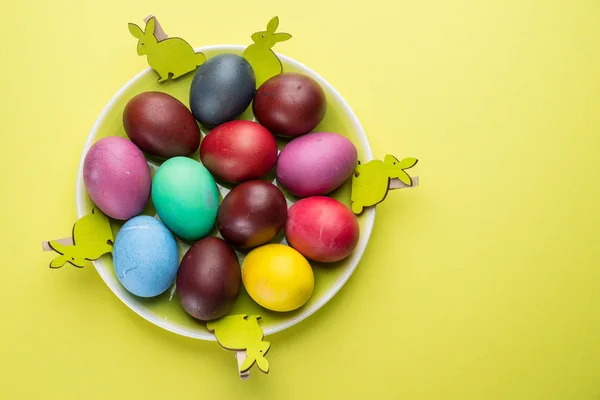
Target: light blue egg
(145,256)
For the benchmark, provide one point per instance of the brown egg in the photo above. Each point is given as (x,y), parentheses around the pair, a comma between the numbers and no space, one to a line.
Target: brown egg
(209,279)
(253,213)
(290,104)
(161,125)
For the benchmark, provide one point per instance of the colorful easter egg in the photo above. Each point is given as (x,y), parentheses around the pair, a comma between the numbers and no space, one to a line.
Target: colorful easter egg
(316,163)
(209,279)
(253,213)
(145,256)
(161,125)
(185,197)
(222,89)
(238,151)
(117,177)
(290,104)
(322,229)
(278,277)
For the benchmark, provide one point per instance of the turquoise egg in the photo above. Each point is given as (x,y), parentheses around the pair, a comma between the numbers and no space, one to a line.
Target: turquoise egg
(185,197)
(145,256)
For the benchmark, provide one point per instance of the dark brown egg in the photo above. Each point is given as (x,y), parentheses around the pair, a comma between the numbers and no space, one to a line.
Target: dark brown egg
(209,279)
(290,104)
(161,125)
(252,214)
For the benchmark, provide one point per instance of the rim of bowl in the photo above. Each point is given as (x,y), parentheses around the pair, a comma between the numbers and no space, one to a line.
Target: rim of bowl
(120,292)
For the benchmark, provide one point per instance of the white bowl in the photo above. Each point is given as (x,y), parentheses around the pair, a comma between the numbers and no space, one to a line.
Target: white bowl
(104,264)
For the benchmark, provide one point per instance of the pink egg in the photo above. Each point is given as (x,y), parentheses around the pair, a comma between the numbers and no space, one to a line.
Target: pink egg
(117,177)
(322,229)
(316,163)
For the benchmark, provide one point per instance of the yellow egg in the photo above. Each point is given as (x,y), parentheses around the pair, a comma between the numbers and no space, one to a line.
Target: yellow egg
(278,277)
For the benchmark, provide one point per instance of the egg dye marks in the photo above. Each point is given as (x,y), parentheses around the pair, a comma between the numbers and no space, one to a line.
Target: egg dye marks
(145,256)
(209,279)
(290,104)
(253,213)
(238,151)
(316,164)
(278,277)
(322,229)
(185,197)
(117,177)
(161,125)
(222,89)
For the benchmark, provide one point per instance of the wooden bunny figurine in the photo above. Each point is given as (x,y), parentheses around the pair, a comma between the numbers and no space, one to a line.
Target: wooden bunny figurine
(242,332)
(92,237)
(171,56)
(371,181)
(260,56)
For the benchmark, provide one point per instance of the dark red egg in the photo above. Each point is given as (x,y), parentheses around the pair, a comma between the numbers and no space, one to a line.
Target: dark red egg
(322,229)
(290,104)
(209,279)
(161,125)
(252,214)
(239,151)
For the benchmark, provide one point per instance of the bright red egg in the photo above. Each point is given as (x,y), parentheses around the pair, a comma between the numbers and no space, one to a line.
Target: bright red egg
(322,229)
(239,151)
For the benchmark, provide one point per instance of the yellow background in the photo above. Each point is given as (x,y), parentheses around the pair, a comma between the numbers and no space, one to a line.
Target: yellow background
(482,283)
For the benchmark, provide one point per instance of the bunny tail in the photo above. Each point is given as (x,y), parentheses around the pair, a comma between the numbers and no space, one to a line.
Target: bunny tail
(200,58)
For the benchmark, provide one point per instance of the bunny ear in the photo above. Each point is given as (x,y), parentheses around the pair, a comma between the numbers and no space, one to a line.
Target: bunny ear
(408,163)
(150,26)
(136,31)
(282,37)
(273,24)
(263,364)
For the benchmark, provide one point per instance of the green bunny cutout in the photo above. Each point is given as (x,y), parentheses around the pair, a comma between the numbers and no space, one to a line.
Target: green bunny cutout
(259,54)
(370,181)
(92,238)
(242,332)
(171,57)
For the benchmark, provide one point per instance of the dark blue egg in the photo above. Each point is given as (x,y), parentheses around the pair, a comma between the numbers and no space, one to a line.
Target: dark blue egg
(222,89)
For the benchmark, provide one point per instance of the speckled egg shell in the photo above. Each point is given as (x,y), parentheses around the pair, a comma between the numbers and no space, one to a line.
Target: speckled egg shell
(145,256)
(222,89)
(316,163)
(117,177)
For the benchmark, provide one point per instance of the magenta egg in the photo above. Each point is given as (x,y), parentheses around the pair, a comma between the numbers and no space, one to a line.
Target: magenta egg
(316,163)
(117,177)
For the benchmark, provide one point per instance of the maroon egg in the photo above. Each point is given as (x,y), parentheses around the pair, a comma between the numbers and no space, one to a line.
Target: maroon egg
(239,151)
(290,104)
(161,125)
(209,279)
(253,213)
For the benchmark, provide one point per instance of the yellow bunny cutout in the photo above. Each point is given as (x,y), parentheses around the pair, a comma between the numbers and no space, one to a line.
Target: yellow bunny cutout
(92,237)
(242,333)
(263,60)
(172,57)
